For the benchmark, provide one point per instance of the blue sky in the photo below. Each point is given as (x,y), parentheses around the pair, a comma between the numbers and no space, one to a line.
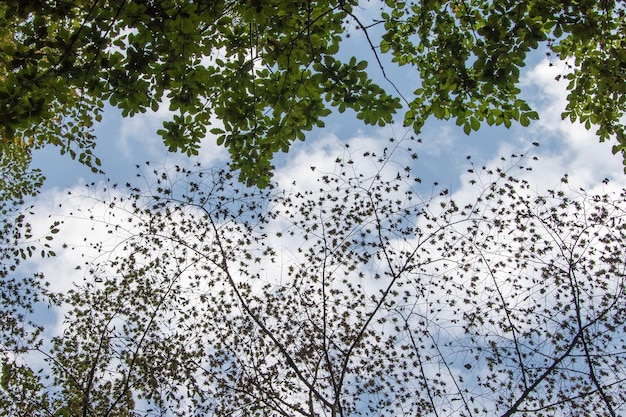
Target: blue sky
(565,148)
(123,143)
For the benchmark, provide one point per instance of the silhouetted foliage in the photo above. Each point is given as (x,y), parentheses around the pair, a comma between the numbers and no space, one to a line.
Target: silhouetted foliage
(357,297)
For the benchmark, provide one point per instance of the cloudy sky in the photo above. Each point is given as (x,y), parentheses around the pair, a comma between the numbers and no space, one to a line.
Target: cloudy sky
(565,148)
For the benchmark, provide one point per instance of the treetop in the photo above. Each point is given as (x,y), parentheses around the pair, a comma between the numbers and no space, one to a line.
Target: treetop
(268,72)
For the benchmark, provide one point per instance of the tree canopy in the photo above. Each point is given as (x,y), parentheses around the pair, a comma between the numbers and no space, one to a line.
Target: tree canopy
(357,296)
(269,71)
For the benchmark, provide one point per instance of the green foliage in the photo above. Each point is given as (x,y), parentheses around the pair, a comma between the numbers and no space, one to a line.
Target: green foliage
(469,55)
(357,297)
(270,71)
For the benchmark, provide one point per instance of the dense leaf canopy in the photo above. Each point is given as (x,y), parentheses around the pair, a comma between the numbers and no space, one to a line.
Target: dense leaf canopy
(269,71)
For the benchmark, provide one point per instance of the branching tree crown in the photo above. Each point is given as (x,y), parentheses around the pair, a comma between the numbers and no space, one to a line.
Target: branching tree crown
(271,70)
(358,297)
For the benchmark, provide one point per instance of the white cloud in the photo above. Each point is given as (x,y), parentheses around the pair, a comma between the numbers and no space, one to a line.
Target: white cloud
(566,147)
(91,228)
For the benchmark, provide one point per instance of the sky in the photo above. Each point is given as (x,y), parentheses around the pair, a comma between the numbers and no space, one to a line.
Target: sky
(564,148)
(443,151)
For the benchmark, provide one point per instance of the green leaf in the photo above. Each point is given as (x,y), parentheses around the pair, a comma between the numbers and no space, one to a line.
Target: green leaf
(524,120)
(475,124)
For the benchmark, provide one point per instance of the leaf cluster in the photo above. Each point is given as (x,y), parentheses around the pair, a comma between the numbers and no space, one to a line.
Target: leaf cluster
(268,72)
